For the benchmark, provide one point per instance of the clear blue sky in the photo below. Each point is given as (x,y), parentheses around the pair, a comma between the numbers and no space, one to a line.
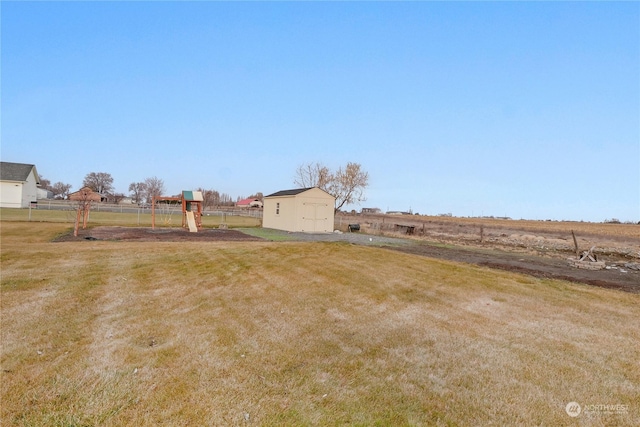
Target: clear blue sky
(528,110)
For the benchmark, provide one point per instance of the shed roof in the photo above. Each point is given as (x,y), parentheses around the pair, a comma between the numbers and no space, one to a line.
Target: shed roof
(293,192)
(17,171)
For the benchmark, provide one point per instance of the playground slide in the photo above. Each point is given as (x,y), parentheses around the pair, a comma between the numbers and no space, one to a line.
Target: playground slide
(192,222)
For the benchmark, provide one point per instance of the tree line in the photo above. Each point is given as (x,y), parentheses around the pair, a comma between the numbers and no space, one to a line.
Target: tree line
(347,184)
(141,192)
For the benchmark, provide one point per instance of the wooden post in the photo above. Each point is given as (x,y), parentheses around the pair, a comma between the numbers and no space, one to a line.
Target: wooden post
(85,217)
(77,223)
(183,206)
(575,244)
(153,212)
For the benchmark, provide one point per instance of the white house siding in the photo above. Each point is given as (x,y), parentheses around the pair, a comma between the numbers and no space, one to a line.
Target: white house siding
(29,190)
(44,194)
(18,185)
(11,194)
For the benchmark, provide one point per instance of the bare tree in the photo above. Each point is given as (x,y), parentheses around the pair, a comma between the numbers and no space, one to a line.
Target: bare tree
(226,200)
(138,191)
(100,182)
(60,190)
(45,184)
(154,188)
(313,175)
(116,197)
(347,185)
(211,198)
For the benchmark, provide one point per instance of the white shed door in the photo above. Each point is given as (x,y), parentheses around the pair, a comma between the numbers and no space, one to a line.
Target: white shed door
(314,216)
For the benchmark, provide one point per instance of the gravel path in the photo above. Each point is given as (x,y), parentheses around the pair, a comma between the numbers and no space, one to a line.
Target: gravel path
(355,238)
(534,265)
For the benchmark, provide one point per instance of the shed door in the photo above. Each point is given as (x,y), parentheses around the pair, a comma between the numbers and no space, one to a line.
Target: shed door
(314,216)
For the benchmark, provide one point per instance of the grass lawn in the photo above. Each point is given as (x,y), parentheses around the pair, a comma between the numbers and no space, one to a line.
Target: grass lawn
(285,333)
(97,217)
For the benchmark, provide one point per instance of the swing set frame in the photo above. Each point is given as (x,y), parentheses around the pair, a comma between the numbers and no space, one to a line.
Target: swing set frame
(187,206)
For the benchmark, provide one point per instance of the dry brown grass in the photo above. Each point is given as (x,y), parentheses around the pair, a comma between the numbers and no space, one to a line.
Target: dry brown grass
(561,227)
(109,333)
(601,229)
(97,217)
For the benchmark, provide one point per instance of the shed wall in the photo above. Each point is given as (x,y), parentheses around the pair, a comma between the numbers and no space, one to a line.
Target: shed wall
(309,211)
(279,213)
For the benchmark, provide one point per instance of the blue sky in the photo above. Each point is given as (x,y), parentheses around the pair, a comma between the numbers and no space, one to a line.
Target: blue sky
(521,109)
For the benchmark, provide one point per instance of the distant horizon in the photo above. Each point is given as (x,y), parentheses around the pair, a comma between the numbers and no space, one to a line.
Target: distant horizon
(517,109)
(359,210)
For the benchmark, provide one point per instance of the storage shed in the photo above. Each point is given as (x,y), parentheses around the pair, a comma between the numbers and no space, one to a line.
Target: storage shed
(303,209)
(18,185)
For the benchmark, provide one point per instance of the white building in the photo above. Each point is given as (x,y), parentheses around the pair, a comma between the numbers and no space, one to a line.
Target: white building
(18,185)
(303,209)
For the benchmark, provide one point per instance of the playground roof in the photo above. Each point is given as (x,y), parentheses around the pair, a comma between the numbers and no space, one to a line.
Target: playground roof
(192,196)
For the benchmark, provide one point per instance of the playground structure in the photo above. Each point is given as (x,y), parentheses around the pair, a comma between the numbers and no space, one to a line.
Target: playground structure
(191,204)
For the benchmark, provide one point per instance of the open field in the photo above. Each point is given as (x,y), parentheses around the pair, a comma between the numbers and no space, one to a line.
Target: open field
(580,227)
(297,333)
(588,228)
(616,242)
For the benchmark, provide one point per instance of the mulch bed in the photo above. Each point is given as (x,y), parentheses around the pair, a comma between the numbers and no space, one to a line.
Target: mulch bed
(131,234)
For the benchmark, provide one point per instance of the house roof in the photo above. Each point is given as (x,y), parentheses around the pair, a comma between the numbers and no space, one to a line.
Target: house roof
(247,201)
(293,192)
(17,172)
(84,189)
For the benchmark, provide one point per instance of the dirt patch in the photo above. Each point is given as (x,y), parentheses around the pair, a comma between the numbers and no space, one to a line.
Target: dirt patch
(158,235)
(615,277)
(537,248)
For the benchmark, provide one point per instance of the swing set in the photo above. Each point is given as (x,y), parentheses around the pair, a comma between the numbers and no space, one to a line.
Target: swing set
(191,204)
